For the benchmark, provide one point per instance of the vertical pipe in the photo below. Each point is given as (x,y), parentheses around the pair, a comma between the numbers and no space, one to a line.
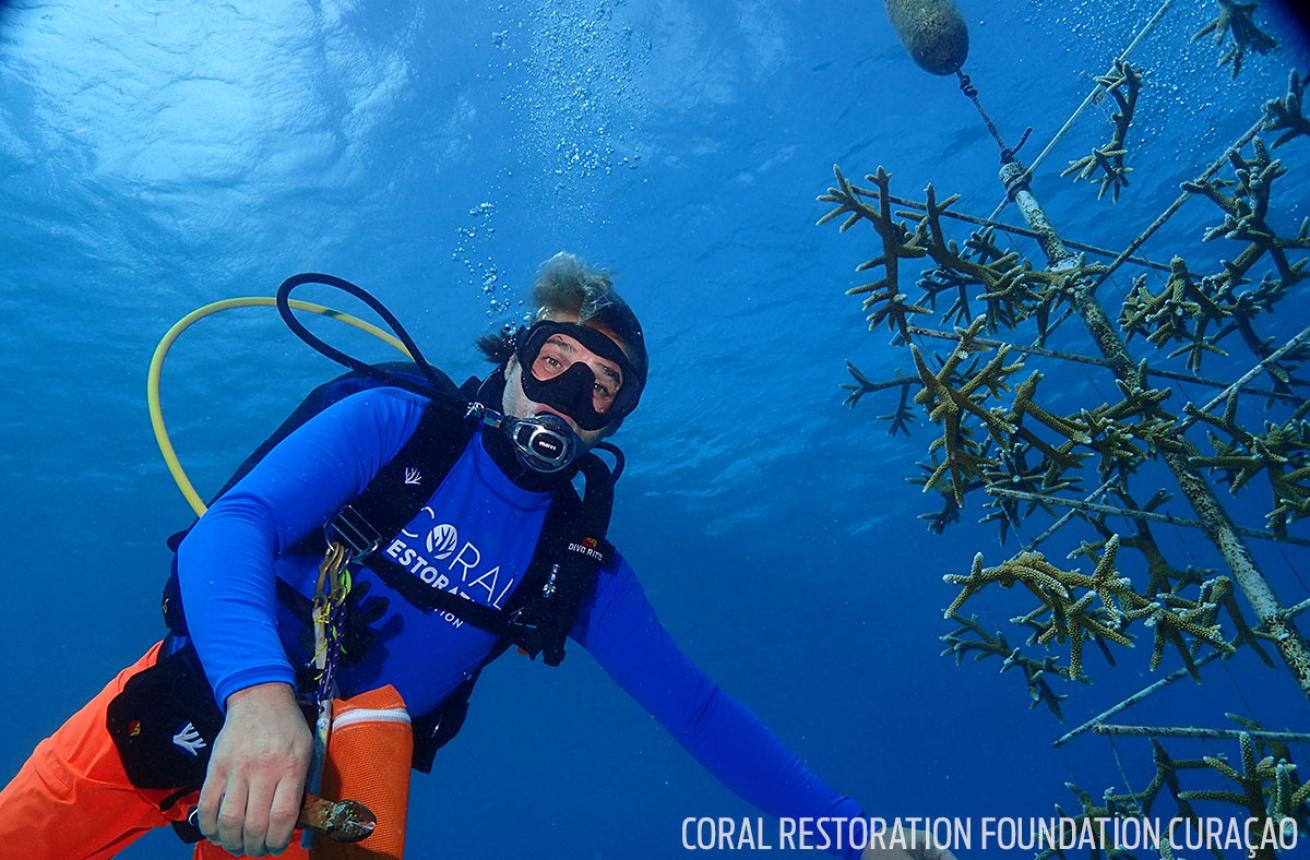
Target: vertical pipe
(1216,523)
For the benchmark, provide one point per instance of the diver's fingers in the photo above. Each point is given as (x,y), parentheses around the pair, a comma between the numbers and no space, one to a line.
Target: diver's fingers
(211,797)
(254,828)
(232,817)
(283,813)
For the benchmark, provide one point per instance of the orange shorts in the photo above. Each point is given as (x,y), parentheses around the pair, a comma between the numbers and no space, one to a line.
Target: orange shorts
(72,799)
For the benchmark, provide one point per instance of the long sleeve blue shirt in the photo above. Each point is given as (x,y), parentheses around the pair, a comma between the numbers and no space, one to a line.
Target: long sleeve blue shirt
(475,537)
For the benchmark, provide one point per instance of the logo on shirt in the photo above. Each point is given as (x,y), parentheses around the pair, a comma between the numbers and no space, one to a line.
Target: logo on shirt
(441,541)
(189,740)
(413,476)
(449,563)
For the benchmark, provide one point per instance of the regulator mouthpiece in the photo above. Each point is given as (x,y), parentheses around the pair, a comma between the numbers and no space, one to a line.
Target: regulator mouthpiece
(543,443)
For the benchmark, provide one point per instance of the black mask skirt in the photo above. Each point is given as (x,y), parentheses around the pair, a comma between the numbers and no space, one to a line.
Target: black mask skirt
(571,391)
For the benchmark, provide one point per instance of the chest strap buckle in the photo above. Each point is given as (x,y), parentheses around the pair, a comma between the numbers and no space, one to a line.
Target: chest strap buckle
(354,532)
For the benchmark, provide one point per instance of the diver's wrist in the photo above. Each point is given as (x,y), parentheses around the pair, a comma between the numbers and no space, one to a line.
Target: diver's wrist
(257,695)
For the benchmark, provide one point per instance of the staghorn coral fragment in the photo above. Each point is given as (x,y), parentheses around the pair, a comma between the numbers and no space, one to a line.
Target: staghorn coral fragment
(987,645)
(1162,576)
(950,512)
(1072,617)
(979,248)
(1265,788)
(1102,606)
(950,397)
(1023,405)
(1166,776)
(1172,616)
(1287,114)
(1011,287)
(1245,211)
(1112,806)
(1245,306)
(884,299)
(1109,159)
(1138,426)
(1123,82)
(1290,796)
(901,418)
(1235,20)
(1011,467)
(863,385)
(1115,441)
(1182,310)
(1288,800)
(1027,568)
(1282,452)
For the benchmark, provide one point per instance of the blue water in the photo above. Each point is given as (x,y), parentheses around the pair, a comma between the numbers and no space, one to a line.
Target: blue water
(157,156)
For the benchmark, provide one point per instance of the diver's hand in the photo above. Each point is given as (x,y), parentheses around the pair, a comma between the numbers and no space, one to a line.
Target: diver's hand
(920,848)
(256,777)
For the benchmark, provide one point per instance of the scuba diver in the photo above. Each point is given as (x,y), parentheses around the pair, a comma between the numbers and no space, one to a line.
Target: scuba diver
(455,513)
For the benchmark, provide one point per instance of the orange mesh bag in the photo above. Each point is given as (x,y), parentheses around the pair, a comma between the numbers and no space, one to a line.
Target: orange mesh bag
(368,759)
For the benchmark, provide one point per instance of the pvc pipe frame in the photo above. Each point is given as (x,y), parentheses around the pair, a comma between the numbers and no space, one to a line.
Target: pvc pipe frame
(1215,521)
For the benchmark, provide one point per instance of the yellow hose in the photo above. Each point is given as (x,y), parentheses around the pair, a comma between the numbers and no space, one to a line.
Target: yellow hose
(157,365)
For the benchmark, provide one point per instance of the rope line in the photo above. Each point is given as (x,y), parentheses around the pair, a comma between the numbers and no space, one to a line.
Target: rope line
(1021,231)
(1128,786)
(1295,574)
(1091,97)
(1177,204)
(967,87)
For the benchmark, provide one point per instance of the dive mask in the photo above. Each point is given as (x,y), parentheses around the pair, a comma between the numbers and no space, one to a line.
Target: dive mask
(553,373)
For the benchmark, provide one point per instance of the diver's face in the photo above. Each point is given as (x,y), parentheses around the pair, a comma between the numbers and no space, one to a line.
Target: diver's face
(557,355)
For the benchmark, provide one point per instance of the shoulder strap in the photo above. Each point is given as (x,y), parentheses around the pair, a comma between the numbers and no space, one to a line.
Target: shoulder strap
(403,486)
(436,443)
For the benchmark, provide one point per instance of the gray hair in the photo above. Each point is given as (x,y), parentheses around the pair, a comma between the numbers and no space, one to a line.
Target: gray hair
(567,285)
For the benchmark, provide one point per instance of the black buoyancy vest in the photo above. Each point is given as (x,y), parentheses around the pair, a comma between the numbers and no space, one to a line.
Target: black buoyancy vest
(570,552)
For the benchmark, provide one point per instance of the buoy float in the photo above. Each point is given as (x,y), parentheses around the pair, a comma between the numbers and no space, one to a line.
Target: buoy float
(933,31)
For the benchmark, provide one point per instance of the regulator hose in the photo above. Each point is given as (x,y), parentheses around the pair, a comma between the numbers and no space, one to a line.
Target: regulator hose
(410,348)
(166,449)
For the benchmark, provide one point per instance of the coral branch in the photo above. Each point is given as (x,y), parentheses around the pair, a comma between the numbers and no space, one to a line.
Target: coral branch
(1123,82)
(1287,114)
(994,645)
(885,301)
(1235,19)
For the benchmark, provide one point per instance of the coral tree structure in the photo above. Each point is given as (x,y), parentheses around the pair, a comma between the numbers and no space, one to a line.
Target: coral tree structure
(975,316)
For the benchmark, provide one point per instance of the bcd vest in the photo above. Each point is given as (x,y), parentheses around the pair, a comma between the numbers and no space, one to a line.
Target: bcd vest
(570,552)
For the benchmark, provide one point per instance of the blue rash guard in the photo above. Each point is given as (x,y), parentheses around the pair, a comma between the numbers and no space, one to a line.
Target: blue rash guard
(476,535)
